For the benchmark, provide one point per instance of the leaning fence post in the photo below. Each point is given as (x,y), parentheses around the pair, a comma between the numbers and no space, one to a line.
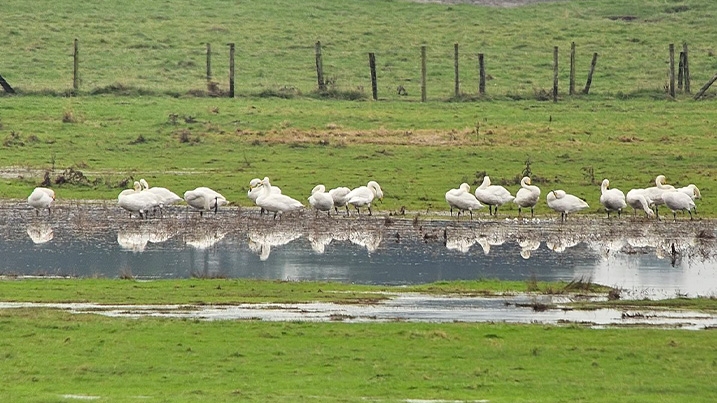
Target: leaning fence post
(481,74)
(705,87)
(555,74)
(423,73)
(672,70)
(76,64)
(572,69)
(372,66)
(231,70)
(320,67)
(457,87)
(589,82)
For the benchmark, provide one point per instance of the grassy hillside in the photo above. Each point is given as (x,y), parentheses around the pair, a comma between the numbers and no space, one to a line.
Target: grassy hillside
(160,47)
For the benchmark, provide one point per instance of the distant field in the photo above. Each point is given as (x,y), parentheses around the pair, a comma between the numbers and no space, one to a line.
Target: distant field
(142,109)
(139,47)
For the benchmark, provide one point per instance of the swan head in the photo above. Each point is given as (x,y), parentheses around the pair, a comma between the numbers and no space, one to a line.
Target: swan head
(373,185)
(254,183)
(695,191)
(137,186)
(605,184)
(465,187)
(144,184)
(318,188)
(486,182)
(660,180)
(526,181)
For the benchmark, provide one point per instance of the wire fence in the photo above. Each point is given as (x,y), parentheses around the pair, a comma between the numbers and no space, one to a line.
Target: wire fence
(412,72)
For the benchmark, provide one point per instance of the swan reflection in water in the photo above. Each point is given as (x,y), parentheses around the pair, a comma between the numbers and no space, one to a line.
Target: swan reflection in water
(204,240)
(136,238)
(496,238)
(369,239)
(40,233)
(527,246)
(459,242)
(261,241)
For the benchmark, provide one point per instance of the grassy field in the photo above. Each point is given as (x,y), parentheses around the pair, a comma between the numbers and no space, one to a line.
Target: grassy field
(51,355)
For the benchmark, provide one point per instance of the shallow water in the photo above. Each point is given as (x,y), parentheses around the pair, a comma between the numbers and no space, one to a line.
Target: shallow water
(646,259)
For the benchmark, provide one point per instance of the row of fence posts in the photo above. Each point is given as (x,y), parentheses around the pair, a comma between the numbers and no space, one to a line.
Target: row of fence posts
(683,75)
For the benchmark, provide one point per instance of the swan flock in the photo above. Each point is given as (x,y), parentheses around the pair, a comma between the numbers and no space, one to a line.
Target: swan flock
(142,200)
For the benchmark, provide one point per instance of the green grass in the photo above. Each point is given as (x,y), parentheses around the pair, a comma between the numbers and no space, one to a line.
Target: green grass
(146,48)
(415,151)
(48,354)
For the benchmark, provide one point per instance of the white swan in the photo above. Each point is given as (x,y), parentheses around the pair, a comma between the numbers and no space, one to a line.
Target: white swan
(492,195)
(463,200)
(364,195)
(655,193)
(41,198)
(340,200)
(678,201)
(527,196)
(638,200)
(691,190)
(276,203)
(164,195)
(612,199)
(136,201)
(255,190)
(204,199)
(321,200)
(564,203)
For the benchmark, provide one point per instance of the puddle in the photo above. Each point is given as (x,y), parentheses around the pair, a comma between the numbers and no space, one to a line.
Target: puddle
(409,308)
(645,259)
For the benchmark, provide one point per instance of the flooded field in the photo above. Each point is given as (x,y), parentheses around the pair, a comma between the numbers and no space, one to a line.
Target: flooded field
(646,259)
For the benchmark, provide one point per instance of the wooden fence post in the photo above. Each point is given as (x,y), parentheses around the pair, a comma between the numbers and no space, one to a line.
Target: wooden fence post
(681,71)
(572,69)
(457,87)
(555,74)
(231,70)
(6,86)
(672,70)
(589,82)
(423,73)
(374,84)
(76,65)
(705,87)
(481,73)
(687,68)
(320,67)
(209,62)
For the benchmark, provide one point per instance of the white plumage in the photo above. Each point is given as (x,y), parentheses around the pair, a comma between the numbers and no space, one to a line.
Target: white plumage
(678,201)
(527,196)
(655,193)
(492,195)
(364,195)
(275,202)
(462,199)
(204,199)
(255,190)
(40,199)
(611,199)
(137,201)
(340,200)
(564,203)
(638,200)
(321,200)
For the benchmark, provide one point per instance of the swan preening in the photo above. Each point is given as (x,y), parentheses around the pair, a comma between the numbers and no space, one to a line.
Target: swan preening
(321,200)
(492,195)
(276,203)
(364,195)
(564,203)
(527,196)
(40,199)
(611,199)
(204,199)
(462,199)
